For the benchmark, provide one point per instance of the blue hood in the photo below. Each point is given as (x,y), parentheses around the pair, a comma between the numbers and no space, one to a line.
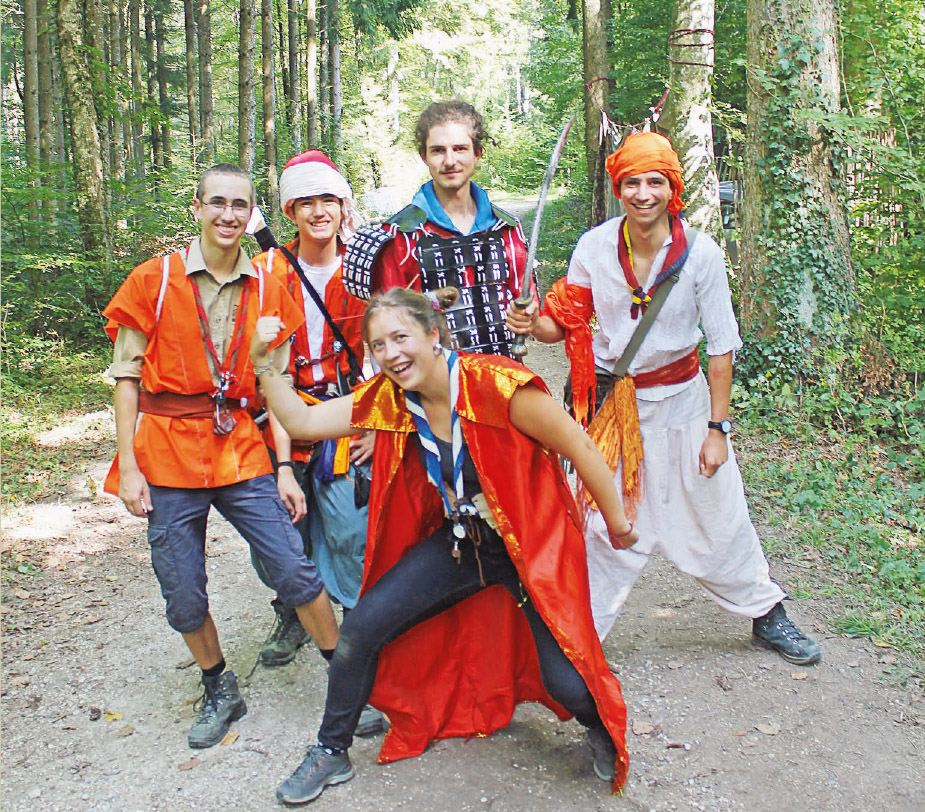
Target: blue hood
(425,198)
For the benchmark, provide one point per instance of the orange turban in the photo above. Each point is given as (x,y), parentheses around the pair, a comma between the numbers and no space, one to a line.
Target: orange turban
(648,152)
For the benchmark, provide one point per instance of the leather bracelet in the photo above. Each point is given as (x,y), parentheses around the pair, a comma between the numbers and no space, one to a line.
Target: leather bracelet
(285,464)
(621,535)
(258,371)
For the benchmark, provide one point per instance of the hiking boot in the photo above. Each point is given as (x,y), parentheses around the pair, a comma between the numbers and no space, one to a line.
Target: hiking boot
(320,768)
(371,723)
(777,631)
(220,704)
(605,753)
(287,637)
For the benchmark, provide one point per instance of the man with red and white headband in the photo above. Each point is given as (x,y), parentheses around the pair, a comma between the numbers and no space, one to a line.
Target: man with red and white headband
(663,426)
(318,483)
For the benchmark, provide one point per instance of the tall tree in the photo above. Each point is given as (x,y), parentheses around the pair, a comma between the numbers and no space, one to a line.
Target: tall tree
(88,165)
(686,116)
(295,84)
(206,116)
(311,73)
(154,127)
(192,78)
(247,106)
(30,95)
(163,96)
(595,14)
(97,43)
(797,278)
(139,150)
(117,133)
(324,84)
(46,57)
(336,136)
(269,106)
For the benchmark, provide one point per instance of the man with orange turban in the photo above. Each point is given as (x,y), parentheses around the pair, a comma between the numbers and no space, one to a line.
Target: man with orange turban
(662,427)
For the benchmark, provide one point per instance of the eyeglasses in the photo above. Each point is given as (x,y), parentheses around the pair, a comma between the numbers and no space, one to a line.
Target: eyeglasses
(218,205)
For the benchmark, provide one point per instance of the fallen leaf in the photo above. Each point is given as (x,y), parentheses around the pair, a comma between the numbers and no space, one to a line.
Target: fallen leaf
(185,664)
(128,730)
(769,729)
(20,682)
(231,737)
(889,659)
(881,643)
(113,716)
(749,743)
(68,727)
(21,594)
(740,733)
(854,665)
(674,665)
(91,619)
(724,682)
(112,577)
(799,675)
(188,765)
(677,746)
(641,728)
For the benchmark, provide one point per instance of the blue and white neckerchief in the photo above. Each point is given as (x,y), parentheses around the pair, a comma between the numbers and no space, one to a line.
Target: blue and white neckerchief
(432,452)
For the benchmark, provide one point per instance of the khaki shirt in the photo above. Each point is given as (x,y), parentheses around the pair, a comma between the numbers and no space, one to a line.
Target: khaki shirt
(220,301)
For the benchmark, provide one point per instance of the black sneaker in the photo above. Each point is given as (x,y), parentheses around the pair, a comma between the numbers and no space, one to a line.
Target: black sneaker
(320,768)
(287,637)
(371,723)
(220,704)
(605,753)
(778,632)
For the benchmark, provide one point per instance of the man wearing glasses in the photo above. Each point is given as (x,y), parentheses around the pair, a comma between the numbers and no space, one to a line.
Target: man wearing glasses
(182,326)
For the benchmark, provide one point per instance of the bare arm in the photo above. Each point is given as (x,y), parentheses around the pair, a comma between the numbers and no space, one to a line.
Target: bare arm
(289,489)
(715,451)
(133,488)
(542,328)
(325,421)
(538,416)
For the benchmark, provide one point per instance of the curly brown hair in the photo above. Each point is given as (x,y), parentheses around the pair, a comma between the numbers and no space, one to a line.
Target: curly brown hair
(453,110)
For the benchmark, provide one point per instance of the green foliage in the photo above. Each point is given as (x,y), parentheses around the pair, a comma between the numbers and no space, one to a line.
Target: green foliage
(846,480)
(398,17)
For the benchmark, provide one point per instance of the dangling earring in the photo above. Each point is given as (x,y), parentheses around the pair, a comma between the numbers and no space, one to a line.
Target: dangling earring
(438,348)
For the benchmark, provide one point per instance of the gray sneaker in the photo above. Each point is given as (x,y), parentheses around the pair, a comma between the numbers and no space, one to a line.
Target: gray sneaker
(778,632)
(319,769)
(605,753)
(220,704)
(287,637)
(370,723)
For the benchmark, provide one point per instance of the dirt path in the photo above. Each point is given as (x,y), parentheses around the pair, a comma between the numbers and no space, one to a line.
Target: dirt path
(714,723)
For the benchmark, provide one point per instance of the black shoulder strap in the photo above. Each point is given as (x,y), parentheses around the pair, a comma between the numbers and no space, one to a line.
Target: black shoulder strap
(648,318)
(356,371)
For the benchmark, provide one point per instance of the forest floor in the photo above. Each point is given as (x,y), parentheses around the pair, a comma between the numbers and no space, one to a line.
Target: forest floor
(97,693)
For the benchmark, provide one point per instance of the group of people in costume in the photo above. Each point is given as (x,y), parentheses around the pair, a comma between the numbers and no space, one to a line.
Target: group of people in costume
(429,500)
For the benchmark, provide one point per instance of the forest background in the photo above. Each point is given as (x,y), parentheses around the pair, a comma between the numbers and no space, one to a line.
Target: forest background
(810,112)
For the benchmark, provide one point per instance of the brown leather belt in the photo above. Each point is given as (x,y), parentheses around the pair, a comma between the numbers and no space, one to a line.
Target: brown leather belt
(172,404)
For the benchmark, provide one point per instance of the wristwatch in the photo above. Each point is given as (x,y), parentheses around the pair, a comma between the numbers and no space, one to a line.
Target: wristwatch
(725,426)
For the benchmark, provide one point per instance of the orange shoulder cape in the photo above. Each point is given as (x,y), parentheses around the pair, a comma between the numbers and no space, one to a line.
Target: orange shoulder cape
(463,672)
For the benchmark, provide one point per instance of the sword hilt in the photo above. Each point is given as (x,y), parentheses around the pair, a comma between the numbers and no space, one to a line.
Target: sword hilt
(519,346)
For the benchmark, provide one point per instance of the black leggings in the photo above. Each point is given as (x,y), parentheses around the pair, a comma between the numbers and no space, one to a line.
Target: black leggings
(425,582)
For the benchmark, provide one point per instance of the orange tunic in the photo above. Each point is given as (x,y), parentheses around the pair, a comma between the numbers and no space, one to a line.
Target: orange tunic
(347,312)
(463,672)
(184,452)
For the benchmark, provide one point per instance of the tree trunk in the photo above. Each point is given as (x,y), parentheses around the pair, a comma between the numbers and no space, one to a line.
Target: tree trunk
(154,127)
(311,73)
(269,106)
(324,94)
(282,47)
(204,37)
(595,14)
(47,152)
(161,68)
(295,85)
(337,94)
(192,79)
(686,118)
(30,99)
(247,105)
(88,165)
(117,148)
(797,278)
(138,93)
(125,105)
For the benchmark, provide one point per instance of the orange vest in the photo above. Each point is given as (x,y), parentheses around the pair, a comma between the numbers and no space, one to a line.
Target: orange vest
(184,452)
(462,672)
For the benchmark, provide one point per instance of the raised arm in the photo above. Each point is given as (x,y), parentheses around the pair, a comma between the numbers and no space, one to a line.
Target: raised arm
(325,421)
(538,416)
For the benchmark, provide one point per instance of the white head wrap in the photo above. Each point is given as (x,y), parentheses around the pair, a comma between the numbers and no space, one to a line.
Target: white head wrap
(314,173)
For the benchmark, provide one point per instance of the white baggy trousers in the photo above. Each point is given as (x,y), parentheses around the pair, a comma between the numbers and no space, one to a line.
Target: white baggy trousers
(701,525)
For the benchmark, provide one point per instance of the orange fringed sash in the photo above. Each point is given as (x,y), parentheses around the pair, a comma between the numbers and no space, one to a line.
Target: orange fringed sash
(572,307)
